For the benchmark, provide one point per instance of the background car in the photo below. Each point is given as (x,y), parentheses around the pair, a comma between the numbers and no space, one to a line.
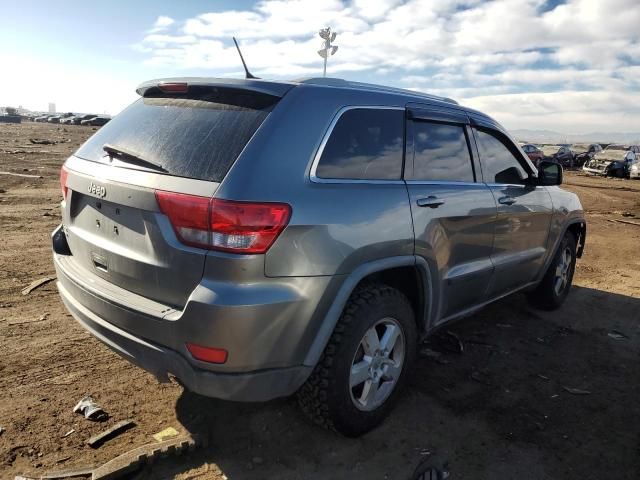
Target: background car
(79,118)
(564,156)
(581,158)
(95,121)
(534,153)
(614,161)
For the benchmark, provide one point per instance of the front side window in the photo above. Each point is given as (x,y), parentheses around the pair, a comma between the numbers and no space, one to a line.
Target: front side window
(499,164)
(441,153)
(365,144)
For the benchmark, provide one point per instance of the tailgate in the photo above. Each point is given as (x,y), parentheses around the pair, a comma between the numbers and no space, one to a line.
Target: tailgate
(116,231)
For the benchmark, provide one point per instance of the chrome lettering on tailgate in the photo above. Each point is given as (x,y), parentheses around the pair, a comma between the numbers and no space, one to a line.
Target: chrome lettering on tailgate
(97,190)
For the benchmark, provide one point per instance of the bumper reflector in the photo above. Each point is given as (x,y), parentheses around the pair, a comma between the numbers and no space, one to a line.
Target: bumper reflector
(207,354)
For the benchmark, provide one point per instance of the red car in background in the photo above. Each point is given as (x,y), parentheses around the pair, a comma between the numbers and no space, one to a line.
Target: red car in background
(533,152)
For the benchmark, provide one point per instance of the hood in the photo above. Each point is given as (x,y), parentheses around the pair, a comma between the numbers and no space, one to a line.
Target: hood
(611,155)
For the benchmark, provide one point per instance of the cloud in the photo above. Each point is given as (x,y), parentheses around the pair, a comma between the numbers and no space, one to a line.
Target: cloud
(468,48)
(161,23)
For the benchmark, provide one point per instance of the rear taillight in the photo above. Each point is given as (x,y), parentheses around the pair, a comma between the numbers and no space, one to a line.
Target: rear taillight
(63,181)
(226,225)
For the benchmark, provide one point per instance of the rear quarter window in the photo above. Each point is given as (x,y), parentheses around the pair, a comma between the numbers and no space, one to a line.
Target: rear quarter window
(365,144)
(199,136)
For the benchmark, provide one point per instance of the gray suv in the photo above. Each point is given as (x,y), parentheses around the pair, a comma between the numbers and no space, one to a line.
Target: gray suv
(256,239)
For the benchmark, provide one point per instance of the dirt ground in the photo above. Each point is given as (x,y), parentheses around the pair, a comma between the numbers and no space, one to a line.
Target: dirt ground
(499,410)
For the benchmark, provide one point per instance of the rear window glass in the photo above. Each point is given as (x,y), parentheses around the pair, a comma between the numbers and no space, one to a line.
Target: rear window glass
(365,144)
(197,137)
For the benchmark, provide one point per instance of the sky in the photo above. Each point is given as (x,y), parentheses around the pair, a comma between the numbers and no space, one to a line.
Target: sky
(570,66)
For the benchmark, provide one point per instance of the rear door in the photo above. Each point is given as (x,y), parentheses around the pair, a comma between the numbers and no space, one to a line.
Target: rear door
(453,213)
(183,143)
(524,211)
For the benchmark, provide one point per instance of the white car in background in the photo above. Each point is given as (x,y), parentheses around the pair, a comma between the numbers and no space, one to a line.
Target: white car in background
(616,161)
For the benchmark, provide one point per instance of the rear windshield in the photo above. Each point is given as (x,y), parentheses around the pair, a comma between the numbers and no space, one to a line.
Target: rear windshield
(197,136)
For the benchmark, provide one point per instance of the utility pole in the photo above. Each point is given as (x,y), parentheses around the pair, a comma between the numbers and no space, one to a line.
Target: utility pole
(327,48)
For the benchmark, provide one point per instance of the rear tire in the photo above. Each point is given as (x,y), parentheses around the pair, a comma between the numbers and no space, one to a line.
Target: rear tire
(365,363)
(556,283)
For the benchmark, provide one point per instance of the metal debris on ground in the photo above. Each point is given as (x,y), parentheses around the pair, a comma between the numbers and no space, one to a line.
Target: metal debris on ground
(13,174)
(576,391)
(165,434)
(627,222)
(42,318)
(90,409)
(616,335)
(109,433)
(36,284)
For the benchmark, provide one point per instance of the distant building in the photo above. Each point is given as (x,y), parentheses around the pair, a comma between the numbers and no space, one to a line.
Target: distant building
(52,108)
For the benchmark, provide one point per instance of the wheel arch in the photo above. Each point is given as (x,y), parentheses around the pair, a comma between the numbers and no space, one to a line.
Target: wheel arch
(409,274)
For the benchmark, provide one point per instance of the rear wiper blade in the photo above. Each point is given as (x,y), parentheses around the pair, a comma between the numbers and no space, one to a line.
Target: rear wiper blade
(126,156)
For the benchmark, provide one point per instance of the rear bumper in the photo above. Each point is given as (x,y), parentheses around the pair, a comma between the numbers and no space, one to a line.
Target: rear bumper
(267,330)
(162,362)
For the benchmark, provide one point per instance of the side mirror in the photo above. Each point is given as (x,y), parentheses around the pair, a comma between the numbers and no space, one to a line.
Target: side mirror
(549,173)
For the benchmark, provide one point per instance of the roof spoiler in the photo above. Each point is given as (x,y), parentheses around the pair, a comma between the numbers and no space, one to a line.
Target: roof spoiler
(276,89)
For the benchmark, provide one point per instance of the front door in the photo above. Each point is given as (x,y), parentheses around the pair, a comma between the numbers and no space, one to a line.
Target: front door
(524,212)
(453,214)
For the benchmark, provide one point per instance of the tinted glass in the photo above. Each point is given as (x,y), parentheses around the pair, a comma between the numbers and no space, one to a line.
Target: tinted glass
(366,144)
(197,137)
(499,165)
(441,153)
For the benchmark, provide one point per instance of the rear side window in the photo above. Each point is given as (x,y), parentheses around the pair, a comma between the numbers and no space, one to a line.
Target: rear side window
(441,153)
(499,164)
(365,144)
(199,136)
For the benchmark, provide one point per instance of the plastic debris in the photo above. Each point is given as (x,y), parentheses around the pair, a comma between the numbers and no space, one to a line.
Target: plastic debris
(616,335)
(36,284)
(576,391)
(68,433)
(134,459)
(109,433)
(90,409)
(165,434)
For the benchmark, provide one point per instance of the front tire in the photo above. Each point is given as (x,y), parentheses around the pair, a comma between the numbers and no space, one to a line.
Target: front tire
(556,283)
(365,364)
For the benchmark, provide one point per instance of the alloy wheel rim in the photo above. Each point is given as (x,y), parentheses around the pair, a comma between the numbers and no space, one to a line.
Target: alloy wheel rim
(377,364)
(562,271)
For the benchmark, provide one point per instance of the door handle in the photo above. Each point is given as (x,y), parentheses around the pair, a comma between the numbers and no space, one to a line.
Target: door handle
(507,200)
(430,201)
